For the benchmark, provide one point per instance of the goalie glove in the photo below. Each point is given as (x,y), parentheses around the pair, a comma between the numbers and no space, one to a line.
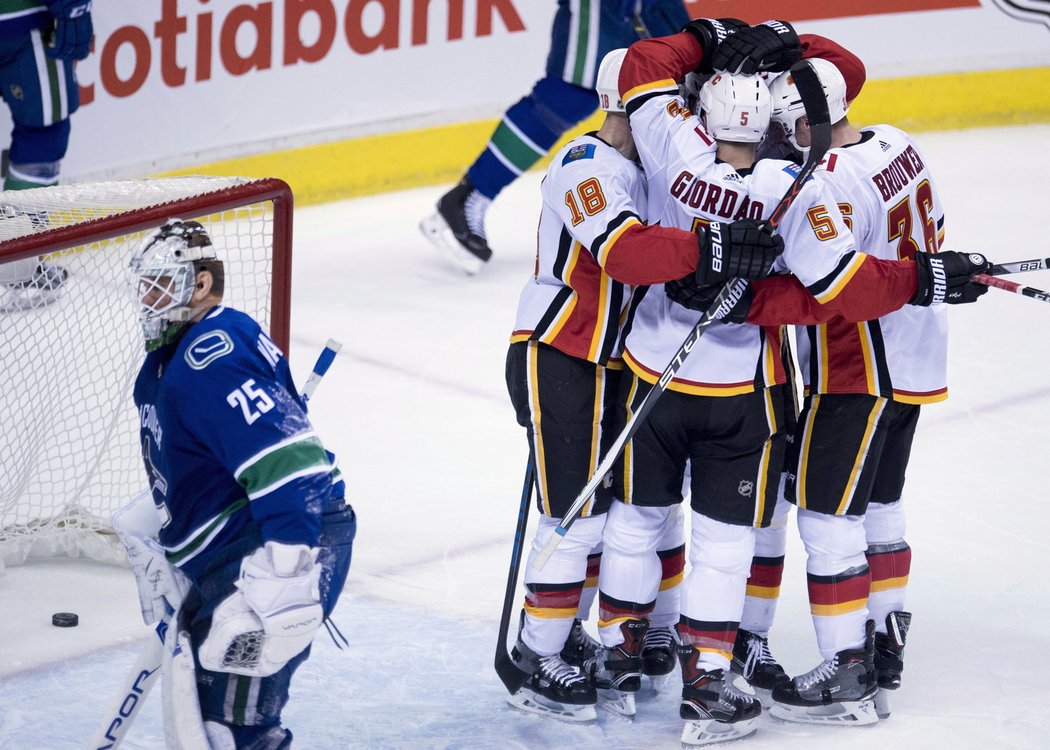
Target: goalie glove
(71,39)
(272,616)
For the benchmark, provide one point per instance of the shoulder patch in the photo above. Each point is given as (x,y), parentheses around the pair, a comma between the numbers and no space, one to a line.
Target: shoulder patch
(207,348)
(793,170)
(583,151)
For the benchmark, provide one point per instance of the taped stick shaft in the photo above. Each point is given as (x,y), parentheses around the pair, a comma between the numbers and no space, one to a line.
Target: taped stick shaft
(1011,286)
(324,361)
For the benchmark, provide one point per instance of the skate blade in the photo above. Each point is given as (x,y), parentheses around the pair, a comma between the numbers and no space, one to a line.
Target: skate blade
(764,696)
(709,731)
(617,702)
(660,684)
(437,230)
(529,702)
(847,713)
(882,703)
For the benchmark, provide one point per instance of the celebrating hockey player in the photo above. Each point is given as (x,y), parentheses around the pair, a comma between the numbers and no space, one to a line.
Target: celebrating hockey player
(562,373)
(865,384)
(245,532)
(723,409)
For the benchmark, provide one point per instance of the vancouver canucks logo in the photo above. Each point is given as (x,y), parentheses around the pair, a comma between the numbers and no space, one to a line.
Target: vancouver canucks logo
(207,348)
(1033,11)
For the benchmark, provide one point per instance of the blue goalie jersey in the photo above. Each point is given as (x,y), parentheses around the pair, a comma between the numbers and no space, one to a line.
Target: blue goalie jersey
(228,447)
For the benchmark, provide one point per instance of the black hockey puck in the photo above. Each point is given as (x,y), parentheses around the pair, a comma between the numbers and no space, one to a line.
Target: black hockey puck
(65,620)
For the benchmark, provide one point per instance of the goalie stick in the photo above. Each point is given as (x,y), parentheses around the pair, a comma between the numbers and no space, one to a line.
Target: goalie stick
(816,106)
(512,677)
(146,669)
(1011,286)
(137,684)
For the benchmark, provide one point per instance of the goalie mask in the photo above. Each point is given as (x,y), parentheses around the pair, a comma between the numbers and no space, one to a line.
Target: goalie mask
(163,275)
(787,102)
(735,107)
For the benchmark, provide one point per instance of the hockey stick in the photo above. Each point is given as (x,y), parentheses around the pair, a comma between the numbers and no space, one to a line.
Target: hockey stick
(1011,286)
(816,107)
(137,684)
(146,670)
(512,677)
(1019,266)
(324,361)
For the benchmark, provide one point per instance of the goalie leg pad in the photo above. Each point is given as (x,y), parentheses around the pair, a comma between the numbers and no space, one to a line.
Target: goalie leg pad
(183,724)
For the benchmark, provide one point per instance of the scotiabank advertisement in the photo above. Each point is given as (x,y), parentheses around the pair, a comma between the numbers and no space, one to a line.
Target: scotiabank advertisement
(173,83)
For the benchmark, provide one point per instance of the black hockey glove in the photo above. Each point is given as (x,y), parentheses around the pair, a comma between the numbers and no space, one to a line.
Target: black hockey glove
(71,38)
(688,293)
(744,249)
(711,32)
(772,45)
(945,278)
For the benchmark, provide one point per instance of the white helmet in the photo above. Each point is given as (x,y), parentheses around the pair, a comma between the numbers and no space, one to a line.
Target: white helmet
(608,84)
(163,271)
(736,107)
(787,104)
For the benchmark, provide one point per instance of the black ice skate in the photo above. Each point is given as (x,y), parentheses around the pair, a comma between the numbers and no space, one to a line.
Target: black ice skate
(658,651)
(554,688)
(458,227)
(838,691)
(716,707)
(579,646)
(617,670)
(889,659)
(753,660)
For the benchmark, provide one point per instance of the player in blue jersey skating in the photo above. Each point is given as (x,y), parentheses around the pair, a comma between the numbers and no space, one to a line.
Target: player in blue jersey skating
(254,535)
(40,42)
(583,32)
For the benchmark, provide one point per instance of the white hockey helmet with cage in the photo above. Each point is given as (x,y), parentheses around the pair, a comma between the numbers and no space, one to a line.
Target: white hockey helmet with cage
(787,103)
(608,81)
(735,107)
(163,273)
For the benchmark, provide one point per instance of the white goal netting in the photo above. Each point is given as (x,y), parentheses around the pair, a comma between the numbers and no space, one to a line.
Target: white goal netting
(71,343)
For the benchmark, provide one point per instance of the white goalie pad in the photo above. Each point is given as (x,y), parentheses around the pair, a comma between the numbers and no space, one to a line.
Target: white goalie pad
(183,724)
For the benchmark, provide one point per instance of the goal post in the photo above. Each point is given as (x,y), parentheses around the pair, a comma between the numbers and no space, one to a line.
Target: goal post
(72,346)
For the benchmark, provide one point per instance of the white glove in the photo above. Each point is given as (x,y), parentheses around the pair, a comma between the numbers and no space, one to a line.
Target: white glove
(272,616)
(160,584)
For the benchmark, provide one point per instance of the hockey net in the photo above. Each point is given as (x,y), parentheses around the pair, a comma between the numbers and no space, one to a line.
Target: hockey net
(72,346)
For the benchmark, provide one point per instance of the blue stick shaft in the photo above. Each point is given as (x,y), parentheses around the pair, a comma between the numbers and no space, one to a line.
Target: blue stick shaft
(324,361)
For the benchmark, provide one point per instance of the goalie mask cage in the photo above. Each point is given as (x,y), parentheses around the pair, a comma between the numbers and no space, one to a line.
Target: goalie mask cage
(69,453)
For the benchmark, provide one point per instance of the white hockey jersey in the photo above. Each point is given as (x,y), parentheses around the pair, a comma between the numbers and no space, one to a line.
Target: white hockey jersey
(688,187)
(591,196)
(886,192)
